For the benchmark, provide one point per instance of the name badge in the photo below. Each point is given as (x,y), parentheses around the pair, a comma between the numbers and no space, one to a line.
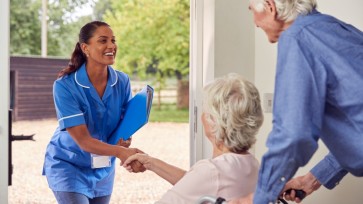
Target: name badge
(98,161)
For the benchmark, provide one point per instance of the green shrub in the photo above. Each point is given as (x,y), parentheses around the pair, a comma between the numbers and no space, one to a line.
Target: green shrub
(169,113)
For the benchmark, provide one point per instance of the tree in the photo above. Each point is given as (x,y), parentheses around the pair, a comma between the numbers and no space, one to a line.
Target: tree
(65,20)
(25,27)
(100,8)
(63,26)
(152,35)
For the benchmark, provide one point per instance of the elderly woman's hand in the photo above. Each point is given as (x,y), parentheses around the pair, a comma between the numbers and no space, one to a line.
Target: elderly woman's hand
(125,153)
(142,158)
(137,167)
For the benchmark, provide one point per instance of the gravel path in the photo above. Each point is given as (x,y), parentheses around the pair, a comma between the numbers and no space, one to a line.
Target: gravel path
(167,141)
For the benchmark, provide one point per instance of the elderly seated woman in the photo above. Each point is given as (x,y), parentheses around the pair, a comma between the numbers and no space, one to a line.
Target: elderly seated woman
(231,118)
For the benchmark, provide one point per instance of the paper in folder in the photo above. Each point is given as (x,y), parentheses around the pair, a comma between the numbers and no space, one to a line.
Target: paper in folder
(136,115)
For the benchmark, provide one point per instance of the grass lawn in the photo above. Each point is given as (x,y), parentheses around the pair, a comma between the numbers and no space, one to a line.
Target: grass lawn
(168,113)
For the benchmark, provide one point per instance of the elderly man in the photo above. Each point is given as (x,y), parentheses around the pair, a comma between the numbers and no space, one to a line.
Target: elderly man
(318,95)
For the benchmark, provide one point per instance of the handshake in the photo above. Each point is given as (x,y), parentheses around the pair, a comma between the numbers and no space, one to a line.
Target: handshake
(133,159)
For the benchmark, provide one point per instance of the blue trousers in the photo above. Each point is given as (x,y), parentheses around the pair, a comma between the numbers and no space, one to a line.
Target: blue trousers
(77,198)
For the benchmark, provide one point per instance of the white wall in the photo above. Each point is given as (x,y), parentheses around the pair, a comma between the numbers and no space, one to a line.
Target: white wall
(220,43)
(349,191)
(234,45)
(4,95)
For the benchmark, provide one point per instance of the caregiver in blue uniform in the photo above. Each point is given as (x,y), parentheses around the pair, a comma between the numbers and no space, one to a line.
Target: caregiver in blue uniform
(90,97)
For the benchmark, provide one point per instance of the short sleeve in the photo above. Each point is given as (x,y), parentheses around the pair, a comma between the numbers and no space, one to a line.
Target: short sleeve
(68,109)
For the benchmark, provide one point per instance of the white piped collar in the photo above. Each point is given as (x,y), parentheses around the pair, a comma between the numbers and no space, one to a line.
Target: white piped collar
(82,79)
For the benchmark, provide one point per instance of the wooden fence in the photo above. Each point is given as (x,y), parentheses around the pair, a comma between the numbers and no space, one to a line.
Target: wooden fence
(31,84)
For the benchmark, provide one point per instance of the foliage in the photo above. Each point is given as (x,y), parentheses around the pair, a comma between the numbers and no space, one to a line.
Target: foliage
(169,113)
(25,27)
(153,37)
(63,26)
(152,34)
(100,8)
(62,38)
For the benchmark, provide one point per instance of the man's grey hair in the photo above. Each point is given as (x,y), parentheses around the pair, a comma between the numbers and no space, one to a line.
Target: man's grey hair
(233,109)
(287,10)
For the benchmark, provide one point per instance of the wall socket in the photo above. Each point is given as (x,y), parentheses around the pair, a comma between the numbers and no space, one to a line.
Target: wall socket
(268,102)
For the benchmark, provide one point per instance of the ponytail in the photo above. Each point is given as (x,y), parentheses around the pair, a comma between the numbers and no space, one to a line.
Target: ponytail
(77,59)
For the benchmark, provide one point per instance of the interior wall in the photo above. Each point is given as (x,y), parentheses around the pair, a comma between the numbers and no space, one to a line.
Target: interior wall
(4,105)
(220,43)
(348,191)
(234,44)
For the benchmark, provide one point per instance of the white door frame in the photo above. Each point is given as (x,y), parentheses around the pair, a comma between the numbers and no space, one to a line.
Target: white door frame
(202,39)
(4,105)
(196,73)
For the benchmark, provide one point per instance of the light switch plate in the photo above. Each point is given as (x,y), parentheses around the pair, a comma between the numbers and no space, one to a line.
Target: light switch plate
(268,102)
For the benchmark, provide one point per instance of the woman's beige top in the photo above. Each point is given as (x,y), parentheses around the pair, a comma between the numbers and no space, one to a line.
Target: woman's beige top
(229,176)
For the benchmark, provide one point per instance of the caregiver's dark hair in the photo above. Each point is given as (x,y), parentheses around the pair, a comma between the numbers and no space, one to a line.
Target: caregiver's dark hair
(78,57)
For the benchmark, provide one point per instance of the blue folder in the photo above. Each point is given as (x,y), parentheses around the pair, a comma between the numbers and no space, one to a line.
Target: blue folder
(136,115)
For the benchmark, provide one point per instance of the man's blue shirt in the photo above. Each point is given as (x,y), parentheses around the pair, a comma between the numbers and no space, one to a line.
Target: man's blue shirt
(318,95)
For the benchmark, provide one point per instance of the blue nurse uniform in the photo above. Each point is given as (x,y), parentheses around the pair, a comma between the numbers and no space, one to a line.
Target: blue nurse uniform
(66,166)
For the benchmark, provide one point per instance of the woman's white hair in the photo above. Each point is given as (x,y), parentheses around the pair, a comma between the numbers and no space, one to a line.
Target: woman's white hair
(287,10)
(233,109)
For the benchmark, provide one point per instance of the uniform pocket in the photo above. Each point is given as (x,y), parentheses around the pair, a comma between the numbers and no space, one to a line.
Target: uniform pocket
(60,155)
